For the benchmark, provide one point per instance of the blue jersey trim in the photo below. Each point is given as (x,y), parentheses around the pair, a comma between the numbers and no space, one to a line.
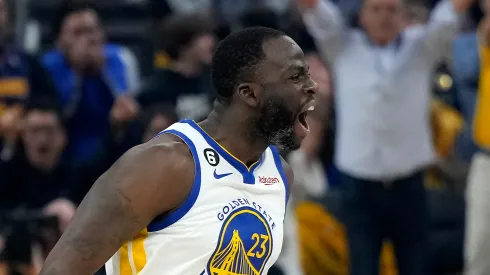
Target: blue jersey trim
(280,169)
(247,172)
(187,204)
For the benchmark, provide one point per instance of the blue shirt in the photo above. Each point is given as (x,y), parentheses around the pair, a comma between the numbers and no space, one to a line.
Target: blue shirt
(88,106)
(466,67)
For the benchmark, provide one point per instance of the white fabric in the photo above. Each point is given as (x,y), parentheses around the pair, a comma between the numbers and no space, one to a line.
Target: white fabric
(225,206)
(382,94)
(477,239)
(309,180)
(132,69)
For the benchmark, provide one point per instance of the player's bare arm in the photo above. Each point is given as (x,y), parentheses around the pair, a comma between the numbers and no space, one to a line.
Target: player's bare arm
(149,180)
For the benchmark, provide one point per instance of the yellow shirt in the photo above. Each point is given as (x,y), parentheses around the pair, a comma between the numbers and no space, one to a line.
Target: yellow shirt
(446,126)
(162,60)
(481,123)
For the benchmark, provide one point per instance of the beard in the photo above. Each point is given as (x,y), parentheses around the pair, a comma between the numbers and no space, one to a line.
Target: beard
(276,125)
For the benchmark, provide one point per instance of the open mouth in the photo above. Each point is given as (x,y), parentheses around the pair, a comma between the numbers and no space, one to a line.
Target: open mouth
(302,125)
(43,150)
(302,120)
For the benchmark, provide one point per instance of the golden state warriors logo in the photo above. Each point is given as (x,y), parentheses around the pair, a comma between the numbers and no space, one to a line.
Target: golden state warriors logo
(244,244)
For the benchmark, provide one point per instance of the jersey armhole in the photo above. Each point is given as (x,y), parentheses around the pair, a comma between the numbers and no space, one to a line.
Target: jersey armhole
(175,215)
(280,169)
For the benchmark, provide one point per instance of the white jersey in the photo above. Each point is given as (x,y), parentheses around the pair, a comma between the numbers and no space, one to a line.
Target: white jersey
(231,223)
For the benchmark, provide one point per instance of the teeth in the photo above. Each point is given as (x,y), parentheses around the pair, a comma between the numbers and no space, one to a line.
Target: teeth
(311,108)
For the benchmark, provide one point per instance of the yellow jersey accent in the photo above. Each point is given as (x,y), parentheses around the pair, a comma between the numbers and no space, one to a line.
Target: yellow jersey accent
(234,258)
(133,255)
(125,266)
(481,123)
(138,249)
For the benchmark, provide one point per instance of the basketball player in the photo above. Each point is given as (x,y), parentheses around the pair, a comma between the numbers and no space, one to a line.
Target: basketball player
(209,197)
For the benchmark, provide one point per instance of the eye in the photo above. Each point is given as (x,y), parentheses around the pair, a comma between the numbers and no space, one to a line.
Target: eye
(295,76)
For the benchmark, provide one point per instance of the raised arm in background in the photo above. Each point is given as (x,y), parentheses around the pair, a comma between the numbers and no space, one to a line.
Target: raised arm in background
(445,21)
(325,23)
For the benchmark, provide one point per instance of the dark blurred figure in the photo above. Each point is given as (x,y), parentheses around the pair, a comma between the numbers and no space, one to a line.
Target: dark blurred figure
(21,78)
(229,11)
(189,42)
(157,119)
(260,16)
(36,179)
(181,6)
(159,9)
(151,122)
(91,75)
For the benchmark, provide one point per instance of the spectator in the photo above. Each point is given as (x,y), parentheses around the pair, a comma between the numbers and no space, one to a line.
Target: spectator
(21,78)
(349,8)
(153,121)
(466,68)
(477,244)
(415,14)
(157,119)
(189,42)
(383,142)
(36,178)
(90,75)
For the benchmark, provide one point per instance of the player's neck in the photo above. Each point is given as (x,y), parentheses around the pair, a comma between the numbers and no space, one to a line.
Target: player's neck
(237,138)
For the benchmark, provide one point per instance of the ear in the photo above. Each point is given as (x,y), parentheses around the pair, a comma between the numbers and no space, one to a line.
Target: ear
(250,93)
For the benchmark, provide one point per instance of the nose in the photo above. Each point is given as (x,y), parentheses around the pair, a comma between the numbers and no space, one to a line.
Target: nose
(311,87)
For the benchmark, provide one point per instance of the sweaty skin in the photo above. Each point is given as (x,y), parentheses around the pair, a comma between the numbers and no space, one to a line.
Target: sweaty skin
(150,179)
(154,178)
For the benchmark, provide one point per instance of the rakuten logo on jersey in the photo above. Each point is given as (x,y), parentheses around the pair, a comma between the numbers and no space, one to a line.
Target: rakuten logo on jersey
(268,180)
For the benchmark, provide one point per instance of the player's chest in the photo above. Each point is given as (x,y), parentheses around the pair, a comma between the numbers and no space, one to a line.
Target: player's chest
(236,230)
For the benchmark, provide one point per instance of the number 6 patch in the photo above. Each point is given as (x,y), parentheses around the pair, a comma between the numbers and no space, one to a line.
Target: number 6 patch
(211,156)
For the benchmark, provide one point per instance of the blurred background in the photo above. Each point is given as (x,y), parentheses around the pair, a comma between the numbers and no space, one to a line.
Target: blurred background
(81,82)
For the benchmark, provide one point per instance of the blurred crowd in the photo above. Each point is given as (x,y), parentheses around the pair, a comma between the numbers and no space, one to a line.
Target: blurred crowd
(380,180)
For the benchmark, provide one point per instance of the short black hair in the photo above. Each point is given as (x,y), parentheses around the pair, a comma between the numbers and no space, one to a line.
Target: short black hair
(237,57)
(67,8)
(178,31)
(44,104)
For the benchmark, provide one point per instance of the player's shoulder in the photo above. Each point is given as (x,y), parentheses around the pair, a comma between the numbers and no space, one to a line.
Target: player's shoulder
(163,153)
(167,144)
